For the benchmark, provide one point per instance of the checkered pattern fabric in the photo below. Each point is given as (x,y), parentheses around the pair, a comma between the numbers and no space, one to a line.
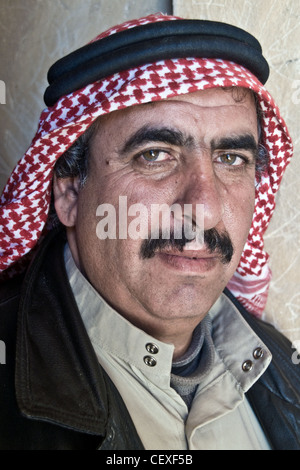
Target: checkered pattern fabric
(25,200)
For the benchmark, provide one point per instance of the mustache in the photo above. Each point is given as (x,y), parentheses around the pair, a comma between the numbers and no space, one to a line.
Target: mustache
(215,242)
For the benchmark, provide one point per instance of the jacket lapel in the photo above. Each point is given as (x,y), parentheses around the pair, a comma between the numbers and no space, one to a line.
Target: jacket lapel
(58,378)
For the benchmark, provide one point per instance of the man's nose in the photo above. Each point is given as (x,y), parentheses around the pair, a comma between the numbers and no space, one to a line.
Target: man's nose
(202,186)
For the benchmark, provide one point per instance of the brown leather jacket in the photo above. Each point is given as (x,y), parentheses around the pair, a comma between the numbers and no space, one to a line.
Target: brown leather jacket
(55,395)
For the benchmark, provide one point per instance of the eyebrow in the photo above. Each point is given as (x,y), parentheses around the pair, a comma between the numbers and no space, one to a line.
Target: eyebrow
(165,135)
(235,142)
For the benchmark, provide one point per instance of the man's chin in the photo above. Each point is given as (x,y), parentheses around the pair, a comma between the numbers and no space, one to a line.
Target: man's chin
(188,300)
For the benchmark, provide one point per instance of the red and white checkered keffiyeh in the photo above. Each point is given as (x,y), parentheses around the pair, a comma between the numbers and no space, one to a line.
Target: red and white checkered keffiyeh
(25,200)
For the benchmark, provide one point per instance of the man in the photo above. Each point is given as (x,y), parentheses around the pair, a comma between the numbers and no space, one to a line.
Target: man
(127,340)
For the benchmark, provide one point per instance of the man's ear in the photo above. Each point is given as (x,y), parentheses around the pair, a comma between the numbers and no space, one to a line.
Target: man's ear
(65,192)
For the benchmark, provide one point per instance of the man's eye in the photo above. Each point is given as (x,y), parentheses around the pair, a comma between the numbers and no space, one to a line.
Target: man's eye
(231,159)
(154,155)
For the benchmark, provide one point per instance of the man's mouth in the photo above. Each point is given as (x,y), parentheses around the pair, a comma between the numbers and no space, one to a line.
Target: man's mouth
(217,246)
(193,262)
(186,253)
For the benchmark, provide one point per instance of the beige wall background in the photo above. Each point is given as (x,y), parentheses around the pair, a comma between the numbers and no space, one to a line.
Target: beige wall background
(35,33)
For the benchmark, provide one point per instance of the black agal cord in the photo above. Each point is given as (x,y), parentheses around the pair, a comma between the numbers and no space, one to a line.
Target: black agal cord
(150,43)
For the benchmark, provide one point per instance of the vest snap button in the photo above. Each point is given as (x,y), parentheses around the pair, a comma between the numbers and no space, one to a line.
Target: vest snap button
(247,365)
(150,361)
(152,348)
(258,353)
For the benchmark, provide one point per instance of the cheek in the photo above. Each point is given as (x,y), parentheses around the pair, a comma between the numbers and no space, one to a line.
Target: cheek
(238,214)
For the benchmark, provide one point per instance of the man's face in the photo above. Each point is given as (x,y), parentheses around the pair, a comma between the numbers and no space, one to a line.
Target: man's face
(193,149)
